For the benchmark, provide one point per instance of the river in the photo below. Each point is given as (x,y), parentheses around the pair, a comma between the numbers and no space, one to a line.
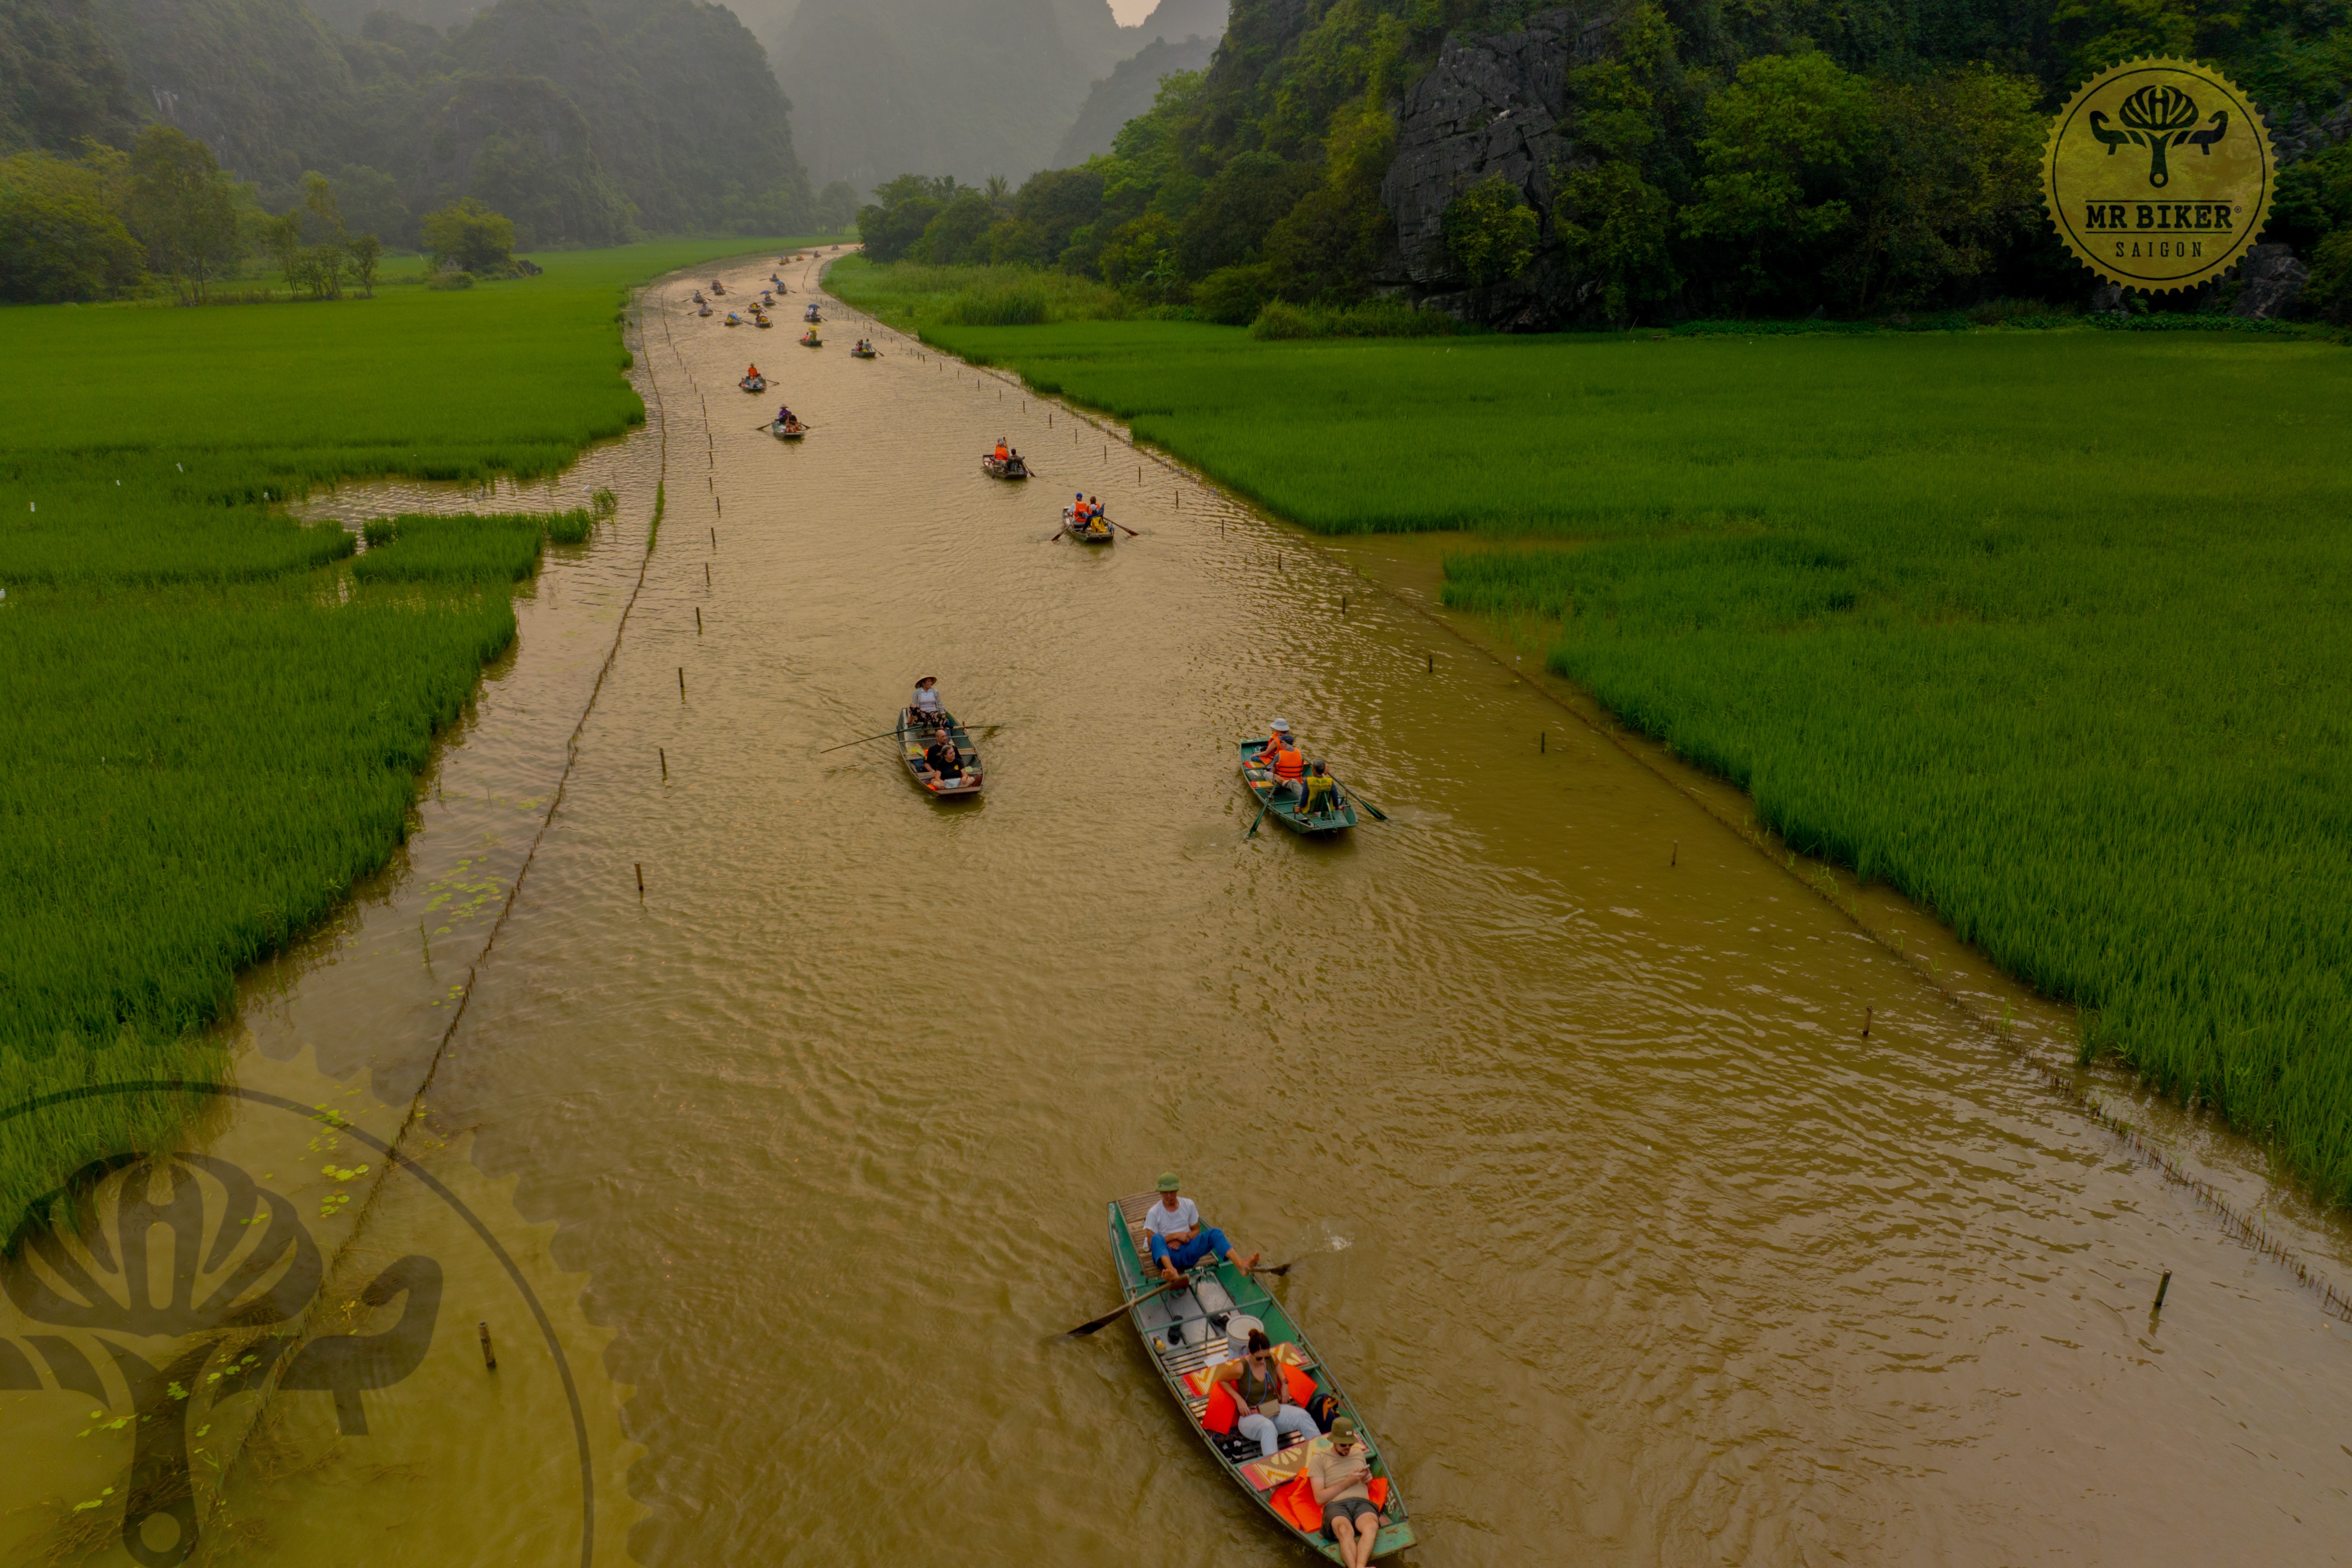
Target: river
(1633,1246)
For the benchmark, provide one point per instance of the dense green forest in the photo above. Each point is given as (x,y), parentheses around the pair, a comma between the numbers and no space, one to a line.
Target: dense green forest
(1537,167)
(584,122)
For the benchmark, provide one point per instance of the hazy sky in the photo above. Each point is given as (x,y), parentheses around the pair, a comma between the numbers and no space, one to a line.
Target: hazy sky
(1131,12)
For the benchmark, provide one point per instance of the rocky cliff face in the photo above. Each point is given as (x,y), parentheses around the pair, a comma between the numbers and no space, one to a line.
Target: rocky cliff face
(1491,105)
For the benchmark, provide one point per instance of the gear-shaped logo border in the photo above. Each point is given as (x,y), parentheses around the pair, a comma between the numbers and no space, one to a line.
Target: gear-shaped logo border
(2258,204)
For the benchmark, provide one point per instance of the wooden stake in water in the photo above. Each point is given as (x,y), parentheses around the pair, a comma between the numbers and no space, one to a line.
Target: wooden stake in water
(1866,1023)
(641,880)
(490,1357)
(1432,662)
(1543,741)
(681,683)
(714,536)
(665,763)
(706,573)
(1673,855)
(2161,1286)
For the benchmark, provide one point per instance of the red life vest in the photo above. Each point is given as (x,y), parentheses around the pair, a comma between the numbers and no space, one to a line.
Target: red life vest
(1287,762)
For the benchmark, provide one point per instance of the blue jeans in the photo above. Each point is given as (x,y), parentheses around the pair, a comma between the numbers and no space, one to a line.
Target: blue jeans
(1210,1243)
(1289,1418)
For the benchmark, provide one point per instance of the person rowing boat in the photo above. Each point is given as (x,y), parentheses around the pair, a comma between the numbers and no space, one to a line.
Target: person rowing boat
(1179,1240)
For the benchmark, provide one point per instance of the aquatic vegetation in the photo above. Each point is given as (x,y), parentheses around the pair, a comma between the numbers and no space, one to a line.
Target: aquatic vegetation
(2076,678)
(213,720)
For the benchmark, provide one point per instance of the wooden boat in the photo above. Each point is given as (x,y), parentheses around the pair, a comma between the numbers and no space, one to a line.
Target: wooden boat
(732,321)
(717,287)
(1012,468)
(912,744)
(1261,784)
(811,315)
(863,350)
(809,339)
(1184,1331)
(762,321)
(705,309)
(786,432)
(1098,530)
(753,384)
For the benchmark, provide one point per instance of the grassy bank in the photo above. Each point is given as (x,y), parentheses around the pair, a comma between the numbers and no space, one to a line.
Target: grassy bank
(2044,628)
(210,723)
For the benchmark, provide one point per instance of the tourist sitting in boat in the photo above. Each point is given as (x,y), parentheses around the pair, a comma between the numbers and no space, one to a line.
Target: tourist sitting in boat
(1003,451)
(1258,1391)
(787,418)
(1178,1240)
(1289,768)
(944,758)
(1340,1470)
(923,712)
(1322,792)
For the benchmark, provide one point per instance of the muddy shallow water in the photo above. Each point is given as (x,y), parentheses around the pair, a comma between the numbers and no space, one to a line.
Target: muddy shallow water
(1632,1247)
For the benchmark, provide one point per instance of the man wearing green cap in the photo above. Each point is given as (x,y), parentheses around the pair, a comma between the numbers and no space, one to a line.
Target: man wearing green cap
(1340,1470)
(1178,1241)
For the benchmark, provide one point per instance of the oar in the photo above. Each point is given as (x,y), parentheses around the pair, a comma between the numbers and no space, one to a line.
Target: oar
(1122,528)
(846,744)
(1252,832)
(1108,1319)
(1367,804)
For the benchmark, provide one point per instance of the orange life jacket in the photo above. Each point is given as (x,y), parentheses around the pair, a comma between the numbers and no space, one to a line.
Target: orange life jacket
(1001,453)
(1288,762)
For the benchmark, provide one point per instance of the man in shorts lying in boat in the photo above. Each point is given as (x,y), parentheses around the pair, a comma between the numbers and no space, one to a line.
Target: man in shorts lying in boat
(1341,1473)
(1178,1240)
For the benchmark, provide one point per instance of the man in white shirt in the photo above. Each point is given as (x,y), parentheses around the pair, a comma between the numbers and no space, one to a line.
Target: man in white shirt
(1178,1240)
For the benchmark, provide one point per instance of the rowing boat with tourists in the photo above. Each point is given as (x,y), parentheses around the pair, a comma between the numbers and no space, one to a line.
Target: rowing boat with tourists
(1268,1407)
(937,750)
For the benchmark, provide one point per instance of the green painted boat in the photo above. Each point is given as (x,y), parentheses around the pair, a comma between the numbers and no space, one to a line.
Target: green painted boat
(913,743)
(1286,810)
(1183,1332)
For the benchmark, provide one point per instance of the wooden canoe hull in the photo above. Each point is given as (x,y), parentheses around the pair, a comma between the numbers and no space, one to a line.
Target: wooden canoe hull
(1163,1321)
(911,746)
(1012,469)
(1261,787)
(781,434)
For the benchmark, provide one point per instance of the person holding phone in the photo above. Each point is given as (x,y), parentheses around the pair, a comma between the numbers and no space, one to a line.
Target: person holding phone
(1340,1469)
(1261,1396)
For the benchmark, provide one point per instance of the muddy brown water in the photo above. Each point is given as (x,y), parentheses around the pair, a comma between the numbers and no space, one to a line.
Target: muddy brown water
(1633,1248)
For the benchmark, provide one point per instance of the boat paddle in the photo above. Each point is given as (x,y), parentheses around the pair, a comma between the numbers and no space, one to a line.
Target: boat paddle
(1376,813)
(1261,814)
(1108,1319)
(859,741)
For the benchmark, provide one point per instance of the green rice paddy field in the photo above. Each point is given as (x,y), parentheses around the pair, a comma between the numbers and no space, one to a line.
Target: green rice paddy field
(2052,631)
(212,721)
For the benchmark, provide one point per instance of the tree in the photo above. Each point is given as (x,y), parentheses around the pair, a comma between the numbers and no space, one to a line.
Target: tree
(183,208)
(281,237)
(1781,143)
(367,255)
(59,236)
(469,237)
(327,252)
(1490,231)
(1952,178)
(2329,290)
(902,209)
(954,234)
(836,206)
